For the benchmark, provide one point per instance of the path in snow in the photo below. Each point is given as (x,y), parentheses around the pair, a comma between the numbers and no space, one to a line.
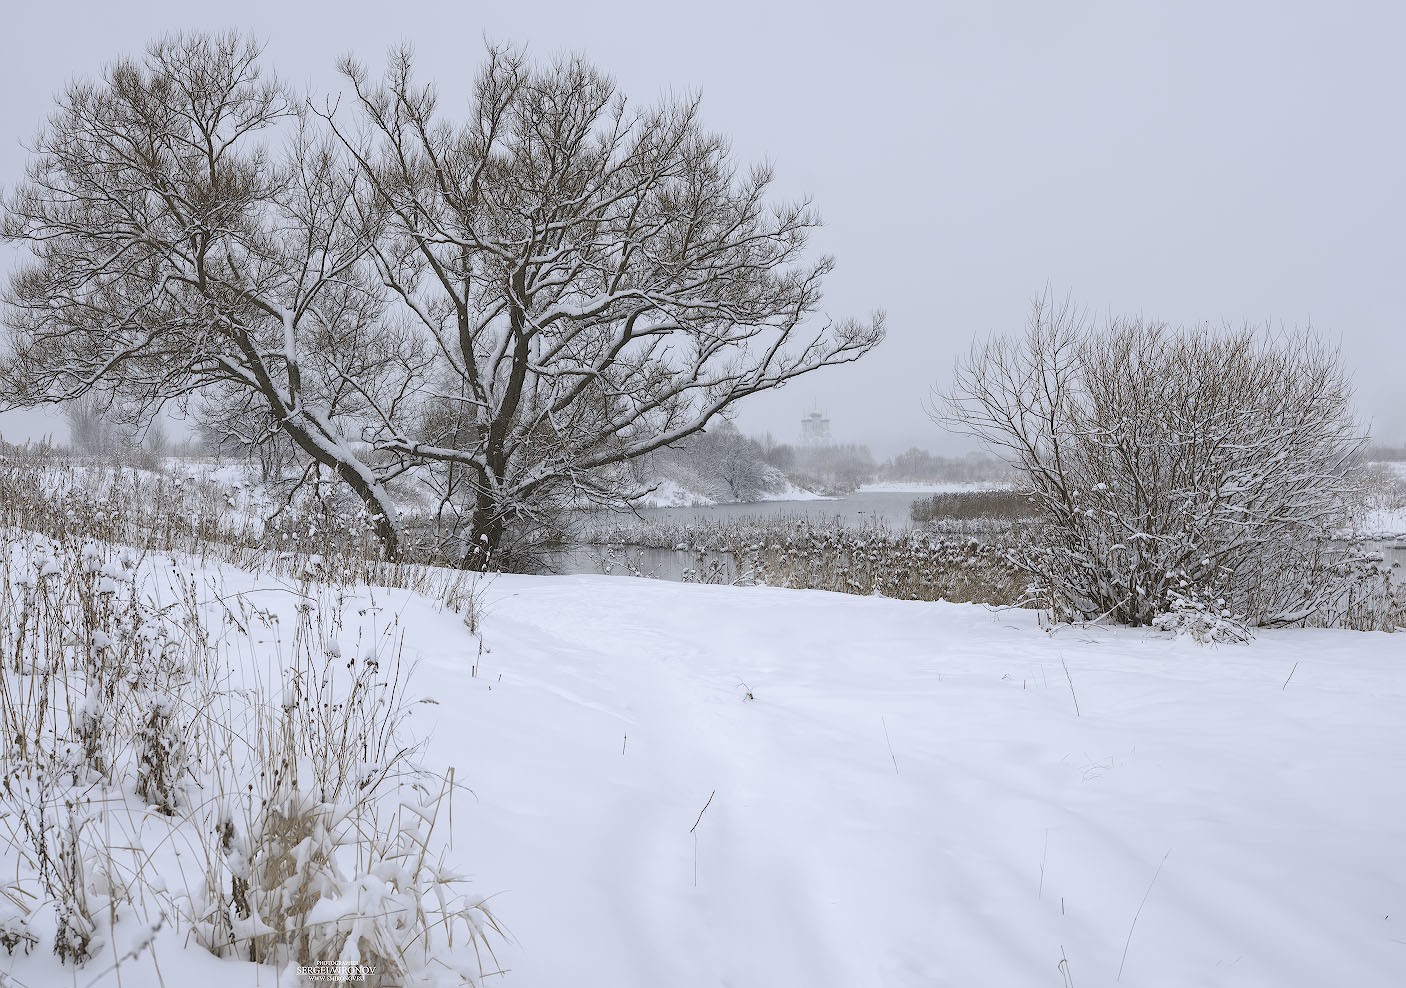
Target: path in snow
(1011,834)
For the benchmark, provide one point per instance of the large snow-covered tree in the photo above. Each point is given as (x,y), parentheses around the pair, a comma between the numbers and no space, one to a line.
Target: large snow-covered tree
(507,310)
(1175,469)
(600,279)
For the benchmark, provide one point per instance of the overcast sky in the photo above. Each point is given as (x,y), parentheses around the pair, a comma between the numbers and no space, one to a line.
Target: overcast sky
(1190,161)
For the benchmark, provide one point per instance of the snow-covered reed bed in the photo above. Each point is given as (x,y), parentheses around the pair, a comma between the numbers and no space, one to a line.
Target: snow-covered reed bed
(174,510)
(221,755)
(943,508)
(959,560)
(801,554)
(209,518)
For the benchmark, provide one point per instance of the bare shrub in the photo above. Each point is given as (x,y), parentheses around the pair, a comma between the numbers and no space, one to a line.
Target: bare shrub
(1169,464)
(15,933)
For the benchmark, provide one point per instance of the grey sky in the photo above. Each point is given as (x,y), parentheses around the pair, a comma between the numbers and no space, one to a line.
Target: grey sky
(1189,161)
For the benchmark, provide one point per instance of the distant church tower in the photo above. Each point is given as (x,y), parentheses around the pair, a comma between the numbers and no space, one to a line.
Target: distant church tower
(815,430)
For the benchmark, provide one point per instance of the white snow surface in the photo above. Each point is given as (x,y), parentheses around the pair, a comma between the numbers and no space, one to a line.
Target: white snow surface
(679,785)
(790,492)
(671,494)
(933,487)
(911,798)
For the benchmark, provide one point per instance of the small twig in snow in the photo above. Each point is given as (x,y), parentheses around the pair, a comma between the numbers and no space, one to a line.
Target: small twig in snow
(1291,676)
(693,830)
(133,952)
(1139,913)
(890,744)
(702,811)
(1040,892)
(1071,687)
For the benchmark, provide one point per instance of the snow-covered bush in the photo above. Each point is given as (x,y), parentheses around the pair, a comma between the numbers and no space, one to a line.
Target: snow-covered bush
(1203,621)
(1163,460)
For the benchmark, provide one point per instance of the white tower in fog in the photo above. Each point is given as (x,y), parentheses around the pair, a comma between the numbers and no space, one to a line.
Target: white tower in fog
(815,430)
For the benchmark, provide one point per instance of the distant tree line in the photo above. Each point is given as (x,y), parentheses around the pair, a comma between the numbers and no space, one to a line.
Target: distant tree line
(918,465)
(1378,453)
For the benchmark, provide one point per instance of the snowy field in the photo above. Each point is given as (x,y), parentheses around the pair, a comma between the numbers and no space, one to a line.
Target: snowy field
(678,785)
(908,794)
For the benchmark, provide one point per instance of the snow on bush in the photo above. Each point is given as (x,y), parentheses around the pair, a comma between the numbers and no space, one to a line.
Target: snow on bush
(1203,621)
(1170,465)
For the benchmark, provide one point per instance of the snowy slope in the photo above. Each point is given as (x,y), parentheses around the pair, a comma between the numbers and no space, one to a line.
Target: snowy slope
(897,794)
(931,487)
(1002,834)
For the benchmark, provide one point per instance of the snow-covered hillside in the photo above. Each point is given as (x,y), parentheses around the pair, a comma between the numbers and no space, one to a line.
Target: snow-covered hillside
(932,487)
(677,785)
(672,494)
(913,794)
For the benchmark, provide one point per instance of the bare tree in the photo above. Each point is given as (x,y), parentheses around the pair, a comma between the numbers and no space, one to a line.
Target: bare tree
(1195,469)
(507,311)
(720,462)
(157,442)
(736,460)
(91,429)
(236,424)
(599,279)
(190,231)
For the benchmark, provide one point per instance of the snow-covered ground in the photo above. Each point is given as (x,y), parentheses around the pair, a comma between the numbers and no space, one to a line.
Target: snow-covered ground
(907,794)
(1381,524)
(671,494)
(920,487)
(790,492)
(678,785)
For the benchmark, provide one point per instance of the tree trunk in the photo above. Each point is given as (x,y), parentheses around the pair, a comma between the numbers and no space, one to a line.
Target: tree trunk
(373,496)
(485,533)
(382,513)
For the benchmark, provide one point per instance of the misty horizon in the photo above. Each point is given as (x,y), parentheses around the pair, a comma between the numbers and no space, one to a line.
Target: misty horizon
(1196,164)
